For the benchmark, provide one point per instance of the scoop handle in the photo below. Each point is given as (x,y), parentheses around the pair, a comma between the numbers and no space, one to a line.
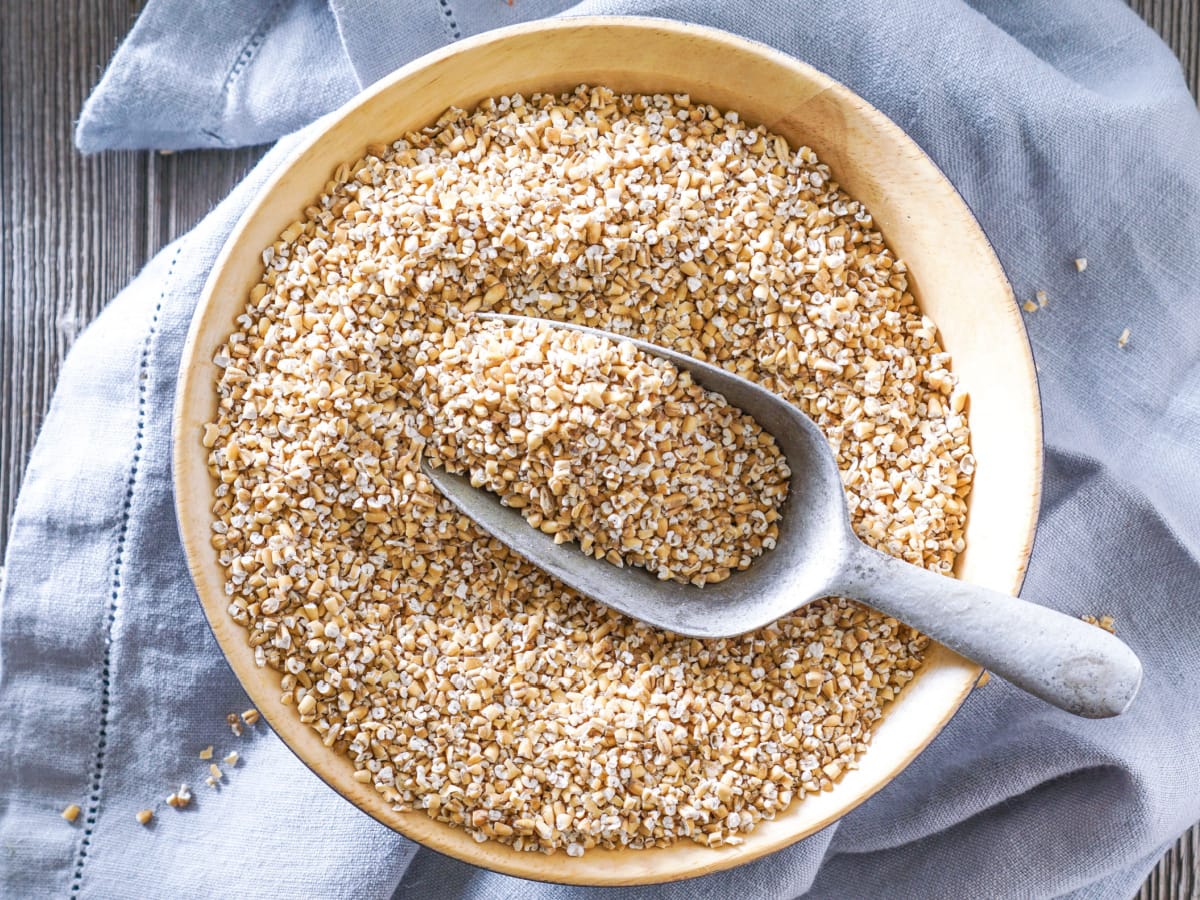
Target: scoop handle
(1063,660)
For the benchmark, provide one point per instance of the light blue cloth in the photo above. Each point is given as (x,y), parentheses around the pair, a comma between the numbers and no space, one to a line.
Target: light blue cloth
(1068,129)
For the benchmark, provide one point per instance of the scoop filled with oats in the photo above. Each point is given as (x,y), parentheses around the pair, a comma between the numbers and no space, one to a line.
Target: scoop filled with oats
(600,413)
(600,443)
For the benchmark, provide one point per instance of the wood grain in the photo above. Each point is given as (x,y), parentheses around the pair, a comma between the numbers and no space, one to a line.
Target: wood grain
(74,229)
(1177,875)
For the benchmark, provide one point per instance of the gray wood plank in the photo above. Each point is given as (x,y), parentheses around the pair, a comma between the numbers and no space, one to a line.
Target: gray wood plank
(76,229)
(1177,875)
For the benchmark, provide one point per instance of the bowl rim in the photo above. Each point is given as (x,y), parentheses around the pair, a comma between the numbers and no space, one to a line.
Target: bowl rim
(283,722)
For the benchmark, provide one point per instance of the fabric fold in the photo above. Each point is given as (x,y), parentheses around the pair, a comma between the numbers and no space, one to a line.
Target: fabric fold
(228,73)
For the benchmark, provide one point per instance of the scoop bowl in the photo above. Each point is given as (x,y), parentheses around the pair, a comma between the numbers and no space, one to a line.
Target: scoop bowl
(1063,660)
(955,276)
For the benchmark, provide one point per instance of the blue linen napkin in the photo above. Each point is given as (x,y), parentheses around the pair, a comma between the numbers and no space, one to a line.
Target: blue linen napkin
(1068,129)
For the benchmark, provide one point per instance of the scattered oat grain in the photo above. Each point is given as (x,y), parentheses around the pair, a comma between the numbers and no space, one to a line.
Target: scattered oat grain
(1108,623)
(180,798)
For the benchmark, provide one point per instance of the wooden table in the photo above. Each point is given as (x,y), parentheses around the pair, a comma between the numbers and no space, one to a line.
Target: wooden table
(74,230)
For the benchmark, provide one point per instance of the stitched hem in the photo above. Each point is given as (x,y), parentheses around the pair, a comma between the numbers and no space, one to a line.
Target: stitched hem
(93,801)
(451,25)
(239,66)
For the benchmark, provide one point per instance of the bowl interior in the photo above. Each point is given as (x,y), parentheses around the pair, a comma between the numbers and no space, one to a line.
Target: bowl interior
(956,277)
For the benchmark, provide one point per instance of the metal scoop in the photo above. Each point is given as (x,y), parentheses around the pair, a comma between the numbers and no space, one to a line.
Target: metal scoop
(1063,660)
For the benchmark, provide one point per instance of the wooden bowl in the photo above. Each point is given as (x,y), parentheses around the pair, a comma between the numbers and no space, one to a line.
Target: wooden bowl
(956,278)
